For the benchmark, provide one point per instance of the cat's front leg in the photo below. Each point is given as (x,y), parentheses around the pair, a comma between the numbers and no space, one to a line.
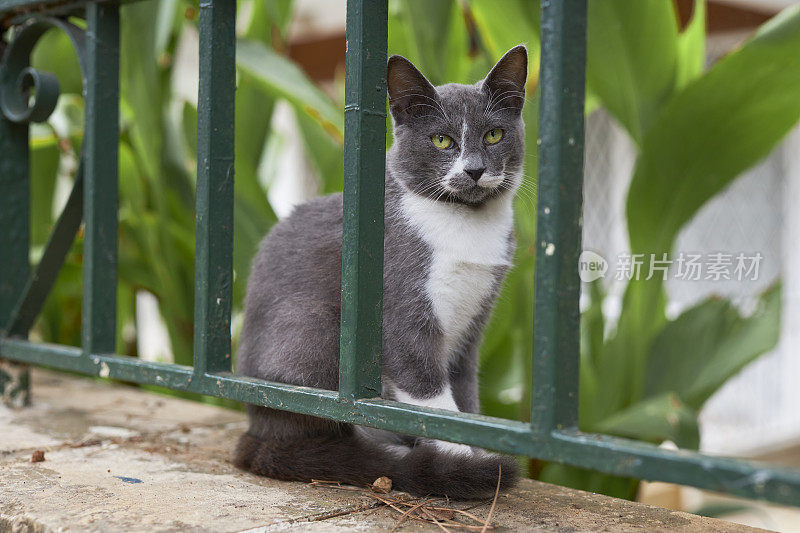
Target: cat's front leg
(464,379)
(438,399)
(416,371)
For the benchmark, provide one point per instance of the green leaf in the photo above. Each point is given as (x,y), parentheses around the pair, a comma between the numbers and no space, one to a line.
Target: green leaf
(631,58)
(270,21)
(719,126)
(250,224)
(325,154)
(503,383)
(429,35)
(401,35)
(189,129)
(44,160)
(592,336)
(130,185)
(279,76)
(251,134)
(504,25)
(695,354)
(503,318)
(253,214)
(166,21)
(621,361)
(141,85)
(692,47)
(655,420)
(593,323)
(61,316)
(505,355)
(54,54)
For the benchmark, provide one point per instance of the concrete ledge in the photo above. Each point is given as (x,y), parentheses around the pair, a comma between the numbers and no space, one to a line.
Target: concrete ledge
(119,459)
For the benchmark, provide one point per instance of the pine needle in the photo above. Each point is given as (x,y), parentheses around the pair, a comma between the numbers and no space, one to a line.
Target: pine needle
(426,510)
(496,492)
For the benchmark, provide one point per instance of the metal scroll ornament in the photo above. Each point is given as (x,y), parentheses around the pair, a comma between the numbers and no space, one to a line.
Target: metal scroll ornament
(27,94)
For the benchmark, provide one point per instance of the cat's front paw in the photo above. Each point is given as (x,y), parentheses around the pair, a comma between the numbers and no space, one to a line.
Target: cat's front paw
(454,447)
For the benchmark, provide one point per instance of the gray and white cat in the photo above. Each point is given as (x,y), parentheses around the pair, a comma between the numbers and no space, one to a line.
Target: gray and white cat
(451,176)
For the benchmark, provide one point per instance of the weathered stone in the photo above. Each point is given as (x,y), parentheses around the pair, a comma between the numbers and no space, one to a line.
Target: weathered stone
(120,459)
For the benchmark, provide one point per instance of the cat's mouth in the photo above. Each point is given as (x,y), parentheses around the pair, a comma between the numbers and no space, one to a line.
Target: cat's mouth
(465,190)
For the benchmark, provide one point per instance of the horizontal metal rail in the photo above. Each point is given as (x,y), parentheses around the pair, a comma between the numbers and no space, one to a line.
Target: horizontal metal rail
(611,455)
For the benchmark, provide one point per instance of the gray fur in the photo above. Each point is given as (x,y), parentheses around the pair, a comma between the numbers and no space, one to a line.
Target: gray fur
(292,308)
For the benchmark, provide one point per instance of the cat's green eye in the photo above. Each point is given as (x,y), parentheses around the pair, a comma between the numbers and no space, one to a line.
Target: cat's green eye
(442,142)
(493,136)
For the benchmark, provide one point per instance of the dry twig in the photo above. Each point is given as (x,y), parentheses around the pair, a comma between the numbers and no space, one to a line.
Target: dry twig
(407,513)
(434,520)
(494,501)
(426,510)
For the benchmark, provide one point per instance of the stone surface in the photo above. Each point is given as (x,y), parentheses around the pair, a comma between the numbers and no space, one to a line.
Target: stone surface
(121,459)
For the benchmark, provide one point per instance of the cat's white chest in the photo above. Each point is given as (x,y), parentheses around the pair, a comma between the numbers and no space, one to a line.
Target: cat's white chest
(467,246)
(457,291)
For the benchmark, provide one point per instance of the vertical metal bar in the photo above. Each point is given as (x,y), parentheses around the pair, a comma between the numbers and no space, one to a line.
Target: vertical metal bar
(561,130)
(101,167)
(364,176)
(14,244)
(214,218)
(14,214)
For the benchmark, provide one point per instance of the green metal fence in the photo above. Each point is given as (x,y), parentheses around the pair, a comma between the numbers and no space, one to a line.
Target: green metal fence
(30,96)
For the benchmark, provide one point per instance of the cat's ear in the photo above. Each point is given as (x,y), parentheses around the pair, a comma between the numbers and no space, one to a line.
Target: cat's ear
(505,84)
(410,93)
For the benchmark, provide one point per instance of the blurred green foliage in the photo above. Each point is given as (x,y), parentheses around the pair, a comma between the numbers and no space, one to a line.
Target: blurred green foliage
(695,131)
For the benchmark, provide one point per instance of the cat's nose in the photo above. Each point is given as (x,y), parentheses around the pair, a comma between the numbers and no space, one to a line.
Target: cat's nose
(475,173)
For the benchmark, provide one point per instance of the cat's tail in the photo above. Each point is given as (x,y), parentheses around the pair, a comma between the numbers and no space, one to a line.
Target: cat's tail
(421,470)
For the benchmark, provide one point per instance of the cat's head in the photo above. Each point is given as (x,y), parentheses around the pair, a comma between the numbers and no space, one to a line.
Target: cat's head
(459,143)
